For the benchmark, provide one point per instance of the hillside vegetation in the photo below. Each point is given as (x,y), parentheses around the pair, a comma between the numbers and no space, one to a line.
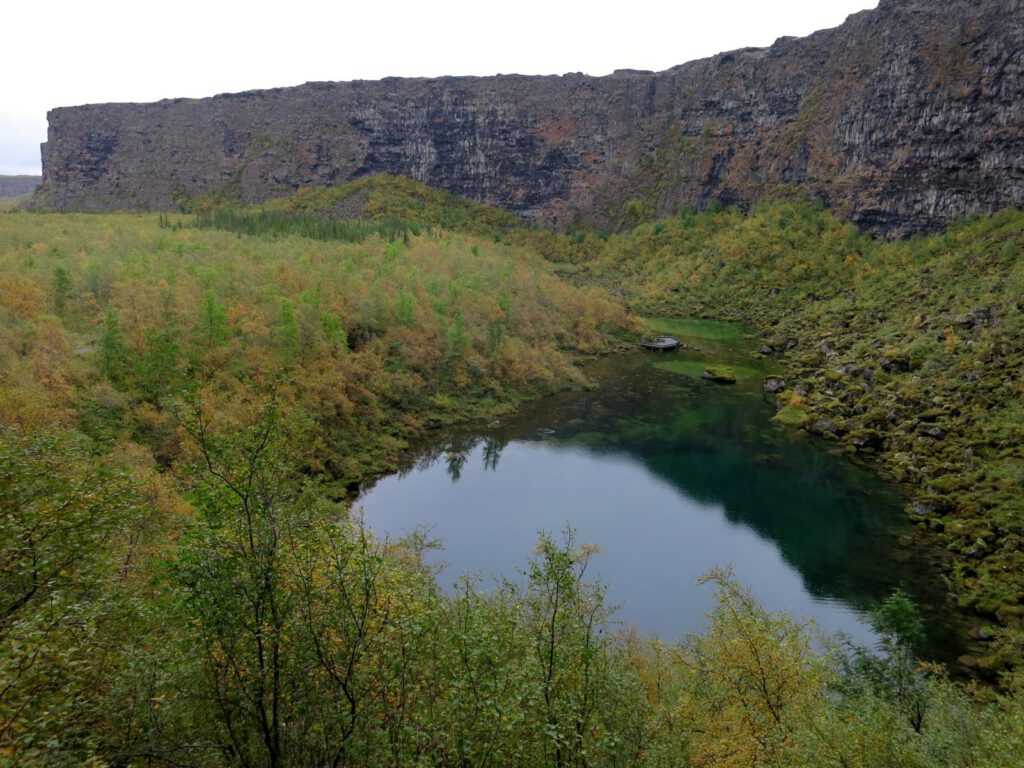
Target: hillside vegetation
(110,320)
(12,203)
(908,354)
(183,406)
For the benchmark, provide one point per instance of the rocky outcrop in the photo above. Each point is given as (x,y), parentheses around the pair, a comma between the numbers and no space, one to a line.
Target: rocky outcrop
(901,119)
(16,186)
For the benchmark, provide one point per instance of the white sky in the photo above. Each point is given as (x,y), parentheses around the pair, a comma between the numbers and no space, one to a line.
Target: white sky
(69,52)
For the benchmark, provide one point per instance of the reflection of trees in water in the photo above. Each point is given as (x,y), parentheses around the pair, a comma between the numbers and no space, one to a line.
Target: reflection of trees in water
(458,452)
(454,450)
(455,461)
(493,447)
(448,447)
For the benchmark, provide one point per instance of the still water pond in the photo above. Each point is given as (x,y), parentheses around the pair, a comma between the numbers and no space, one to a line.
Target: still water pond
(669,475)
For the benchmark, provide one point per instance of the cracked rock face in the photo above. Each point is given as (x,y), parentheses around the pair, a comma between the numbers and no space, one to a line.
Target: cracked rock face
(902,119)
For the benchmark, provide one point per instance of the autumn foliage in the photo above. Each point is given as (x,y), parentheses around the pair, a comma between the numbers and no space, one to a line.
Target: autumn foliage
(183,409)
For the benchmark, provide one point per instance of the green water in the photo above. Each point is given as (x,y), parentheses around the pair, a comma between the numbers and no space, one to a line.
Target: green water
(669,475)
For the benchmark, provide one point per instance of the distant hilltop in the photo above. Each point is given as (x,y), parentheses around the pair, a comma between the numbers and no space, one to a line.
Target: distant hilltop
(902,119)
(16,186)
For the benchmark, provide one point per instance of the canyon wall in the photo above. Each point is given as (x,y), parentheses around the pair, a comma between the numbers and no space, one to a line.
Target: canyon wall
(16,186)
(902,119)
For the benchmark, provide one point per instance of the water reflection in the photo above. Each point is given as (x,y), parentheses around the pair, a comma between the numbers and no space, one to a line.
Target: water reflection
(670,476)
(492,449)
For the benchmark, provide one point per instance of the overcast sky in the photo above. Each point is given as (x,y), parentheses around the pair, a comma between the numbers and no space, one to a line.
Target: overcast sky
(69,52)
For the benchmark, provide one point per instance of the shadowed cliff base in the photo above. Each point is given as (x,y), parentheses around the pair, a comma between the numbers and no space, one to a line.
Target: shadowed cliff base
(902,119)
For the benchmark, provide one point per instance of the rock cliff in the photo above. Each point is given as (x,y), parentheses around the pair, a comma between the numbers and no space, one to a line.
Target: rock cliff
(901,119)
(16,186)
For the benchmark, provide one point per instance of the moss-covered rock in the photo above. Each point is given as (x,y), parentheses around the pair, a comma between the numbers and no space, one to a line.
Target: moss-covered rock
(720,375)
(792,416)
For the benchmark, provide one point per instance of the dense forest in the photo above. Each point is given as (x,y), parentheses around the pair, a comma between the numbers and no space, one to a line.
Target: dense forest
(188,400)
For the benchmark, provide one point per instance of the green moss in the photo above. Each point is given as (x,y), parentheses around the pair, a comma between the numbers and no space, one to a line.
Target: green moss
(695,369)
(720,374)
(792,416)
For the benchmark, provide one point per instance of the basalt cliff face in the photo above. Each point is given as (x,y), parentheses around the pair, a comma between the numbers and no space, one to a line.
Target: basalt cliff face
(901,119)
(15,186)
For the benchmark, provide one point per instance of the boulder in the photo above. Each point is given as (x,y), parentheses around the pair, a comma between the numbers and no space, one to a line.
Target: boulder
(866,439)
(895,364)
(823,426)
(719,375)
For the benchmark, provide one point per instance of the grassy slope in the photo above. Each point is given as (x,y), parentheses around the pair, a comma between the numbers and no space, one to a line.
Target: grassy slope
(13,203)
